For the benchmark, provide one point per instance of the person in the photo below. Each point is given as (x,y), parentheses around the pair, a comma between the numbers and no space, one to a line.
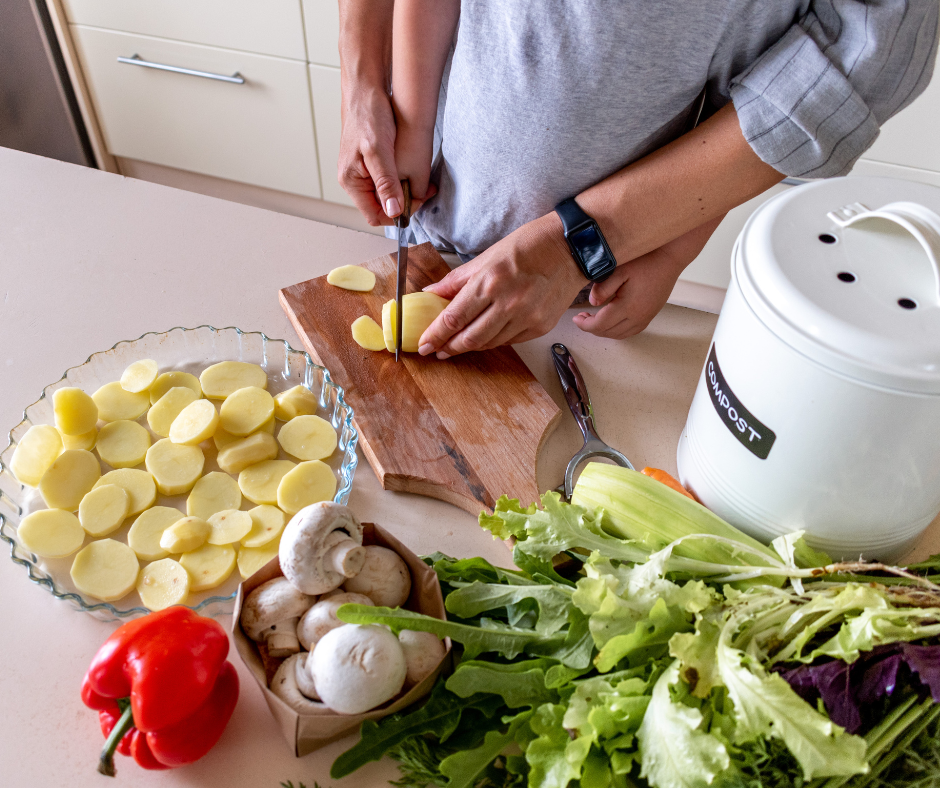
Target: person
(536,102)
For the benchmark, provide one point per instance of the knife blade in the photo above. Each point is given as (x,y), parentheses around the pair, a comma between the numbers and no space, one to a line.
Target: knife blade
(401,222)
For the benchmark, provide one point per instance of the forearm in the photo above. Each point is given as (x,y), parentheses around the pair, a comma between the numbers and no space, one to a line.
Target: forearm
(682,186)
(365,46)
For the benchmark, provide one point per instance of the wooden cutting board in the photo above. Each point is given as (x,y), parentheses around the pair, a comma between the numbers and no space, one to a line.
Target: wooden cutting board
(465,430)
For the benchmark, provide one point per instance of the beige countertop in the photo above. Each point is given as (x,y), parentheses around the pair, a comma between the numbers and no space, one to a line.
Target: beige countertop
(89,258)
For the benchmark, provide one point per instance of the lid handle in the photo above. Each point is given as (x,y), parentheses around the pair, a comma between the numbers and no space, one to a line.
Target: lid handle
(919,221)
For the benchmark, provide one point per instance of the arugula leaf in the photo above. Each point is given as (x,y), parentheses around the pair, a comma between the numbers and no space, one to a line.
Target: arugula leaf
(464,767)
(553,602)
(518,684)
(468,570)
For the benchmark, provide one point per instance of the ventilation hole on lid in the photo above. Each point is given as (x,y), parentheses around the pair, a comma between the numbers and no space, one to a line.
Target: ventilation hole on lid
(845,276)
(907,303)
(826,238)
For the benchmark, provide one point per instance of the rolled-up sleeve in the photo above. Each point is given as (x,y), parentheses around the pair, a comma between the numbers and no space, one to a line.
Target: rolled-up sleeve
(814,101)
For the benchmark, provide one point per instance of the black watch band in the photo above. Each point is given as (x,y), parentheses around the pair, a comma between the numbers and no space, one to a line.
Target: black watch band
(586,241)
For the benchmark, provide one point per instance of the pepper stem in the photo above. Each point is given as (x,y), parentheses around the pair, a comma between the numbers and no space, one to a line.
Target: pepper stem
(124,724)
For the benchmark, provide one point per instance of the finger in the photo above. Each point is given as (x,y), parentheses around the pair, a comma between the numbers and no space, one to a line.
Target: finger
(481,334)
(611,322)
(354,177)
(454,282)
(602,292)
(380,162)
(462,311)
(416,203)
(369,207)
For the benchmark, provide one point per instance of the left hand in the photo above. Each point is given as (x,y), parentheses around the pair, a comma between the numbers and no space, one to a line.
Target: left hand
(516,290)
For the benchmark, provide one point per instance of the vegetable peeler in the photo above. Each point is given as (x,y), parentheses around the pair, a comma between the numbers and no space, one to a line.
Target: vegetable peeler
(579,402)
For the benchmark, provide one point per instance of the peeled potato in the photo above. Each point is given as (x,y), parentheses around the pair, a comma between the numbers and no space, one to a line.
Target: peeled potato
(138,485)
(196,423)
(123,444)
(221,438)
(114,403)
(241,453)
(298,401)
(212,493)
(368,334)
(175,468)
(209,566)
(259,482)
(161,416)
(35,452)
(72,474)
(144,535)
(103,509)
(75,412)
(163,584)
(229,526)
(175,379)
(307,483)
(227,377)
(245,410)
(352,277)
(86,441)
(251,559)
(419,310)
(139,376)
(308,438)
(106,570)
(51,533)
(186,534)
(267,522)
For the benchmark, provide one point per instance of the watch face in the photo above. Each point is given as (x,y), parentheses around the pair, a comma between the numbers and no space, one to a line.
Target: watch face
(591,250)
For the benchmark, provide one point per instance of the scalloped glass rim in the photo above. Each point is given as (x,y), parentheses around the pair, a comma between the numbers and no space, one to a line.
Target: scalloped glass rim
(316,378)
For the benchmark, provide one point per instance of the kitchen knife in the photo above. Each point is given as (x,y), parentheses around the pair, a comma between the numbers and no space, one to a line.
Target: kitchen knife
(402,224)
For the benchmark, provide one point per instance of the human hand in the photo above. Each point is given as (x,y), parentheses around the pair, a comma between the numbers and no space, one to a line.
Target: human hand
(516,290)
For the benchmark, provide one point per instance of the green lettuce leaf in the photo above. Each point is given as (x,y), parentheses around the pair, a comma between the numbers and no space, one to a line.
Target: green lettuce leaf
(552,765)
(659,626)
(696,655)
(553,602)
(518,684)
(500,527)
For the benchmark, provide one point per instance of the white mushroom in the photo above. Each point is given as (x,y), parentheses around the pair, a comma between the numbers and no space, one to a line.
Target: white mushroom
(423,652)
(304,677)
(321,618)
(384,578)
(285,686)
(271,613)
(357,668)
(321,547)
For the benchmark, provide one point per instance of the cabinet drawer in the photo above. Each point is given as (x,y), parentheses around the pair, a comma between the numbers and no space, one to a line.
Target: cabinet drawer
(321,27)
(327,103)
(272,27)
(259,132)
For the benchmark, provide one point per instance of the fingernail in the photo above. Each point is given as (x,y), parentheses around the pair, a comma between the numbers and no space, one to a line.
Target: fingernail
(426,348)
(442,355)
(391,207)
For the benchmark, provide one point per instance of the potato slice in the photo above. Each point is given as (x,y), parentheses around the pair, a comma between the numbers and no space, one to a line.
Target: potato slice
(221,438)
(229,526)
(86,441)
(175,379)
(51,533)
(185,535)
(308,438)
(209,566)
(75,412)
(161,416)
(368,334)
(352,277)
(251,559)
(123,444)
(237,456)
(138,485)
(35,452)
(162,584)
(246,410)
(144,535)
(196,423)
(72,474)
(298,401)
(139,376)
(114,403)
(103,509)
(175,468)
(227,377)
(106,570)
(259,482)
(309,482)
(267,523)
(419,310)
(212,493)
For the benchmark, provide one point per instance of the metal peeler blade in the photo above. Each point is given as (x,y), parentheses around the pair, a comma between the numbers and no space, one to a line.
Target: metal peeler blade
(580,404)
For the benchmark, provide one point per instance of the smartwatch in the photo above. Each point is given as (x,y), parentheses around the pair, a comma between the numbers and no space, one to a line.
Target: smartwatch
(586,241)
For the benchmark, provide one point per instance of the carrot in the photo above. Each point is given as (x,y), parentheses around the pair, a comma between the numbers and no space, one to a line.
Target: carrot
(668,480)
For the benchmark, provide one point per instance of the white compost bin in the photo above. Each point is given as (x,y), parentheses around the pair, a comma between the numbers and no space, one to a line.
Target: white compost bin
(818,408)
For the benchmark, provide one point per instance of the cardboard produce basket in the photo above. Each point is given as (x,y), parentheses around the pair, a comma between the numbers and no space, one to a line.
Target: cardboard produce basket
(308,732)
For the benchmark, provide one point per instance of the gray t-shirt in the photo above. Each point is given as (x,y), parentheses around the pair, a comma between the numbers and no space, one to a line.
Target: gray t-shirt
(544,98)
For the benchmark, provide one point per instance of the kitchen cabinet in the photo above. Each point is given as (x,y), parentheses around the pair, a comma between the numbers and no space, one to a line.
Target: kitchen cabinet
(325,91)
(321,29)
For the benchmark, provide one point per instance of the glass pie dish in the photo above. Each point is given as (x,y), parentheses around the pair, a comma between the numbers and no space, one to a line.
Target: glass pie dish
(189,350)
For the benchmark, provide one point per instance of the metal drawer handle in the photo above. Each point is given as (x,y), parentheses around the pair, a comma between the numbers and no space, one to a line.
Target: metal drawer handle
(137,60)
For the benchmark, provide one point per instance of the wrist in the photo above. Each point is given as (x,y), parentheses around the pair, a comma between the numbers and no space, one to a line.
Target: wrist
(555,250)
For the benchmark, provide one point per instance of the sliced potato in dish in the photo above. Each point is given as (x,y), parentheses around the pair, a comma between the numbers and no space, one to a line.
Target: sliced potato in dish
(242,452)
(213,493)
(209,566)
(174,379)
(227,377)
(186,534)
(139,376)
(251,559)
(296,401)
(106,570)
(308,438)
(259,482)
(51,533)
(103,509)
(138,485)
(123,444)
(246,410)
(307,483)
(72,474)
(115,404)
(164,411)
(86,441)
(145,534)
(229,526)
(196,423)
(162,584)
(35,452)
(267,522)
(75,411)
(175,468)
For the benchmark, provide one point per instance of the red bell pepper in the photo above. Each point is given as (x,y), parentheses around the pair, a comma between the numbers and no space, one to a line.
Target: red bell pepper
(163,689)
